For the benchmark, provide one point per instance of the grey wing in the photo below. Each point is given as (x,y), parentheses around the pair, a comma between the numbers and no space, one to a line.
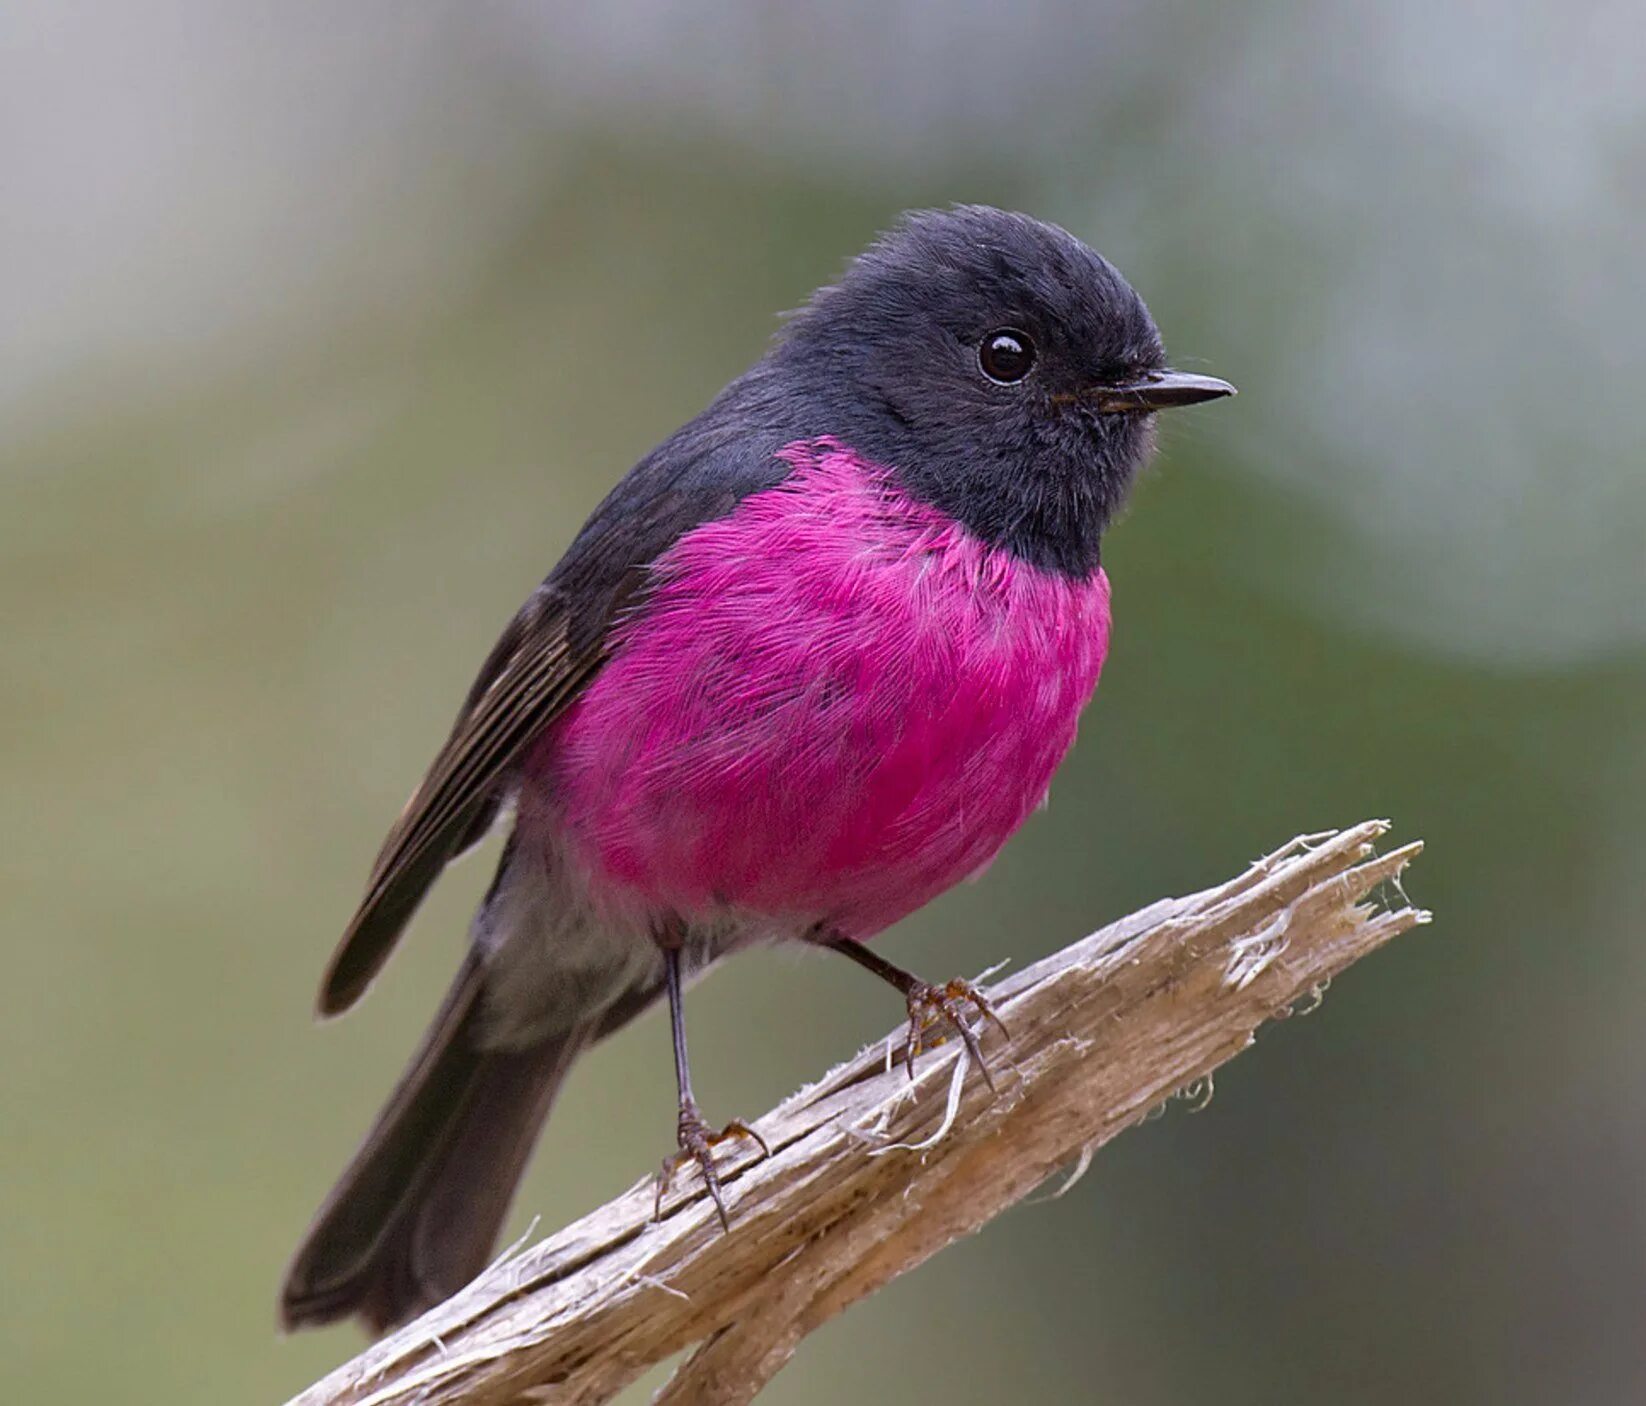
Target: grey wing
(549,652)
(531,676)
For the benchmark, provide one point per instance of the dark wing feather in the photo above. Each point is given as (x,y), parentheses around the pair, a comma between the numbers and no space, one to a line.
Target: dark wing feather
(529,679)
(554,646)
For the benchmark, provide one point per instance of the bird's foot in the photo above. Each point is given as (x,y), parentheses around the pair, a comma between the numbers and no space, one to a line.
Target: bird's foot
(697,1143)
(931,1005)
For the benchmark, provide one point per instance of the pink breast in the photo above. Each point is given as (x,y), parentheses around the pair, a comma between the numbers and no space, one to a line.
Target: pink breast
(835,704)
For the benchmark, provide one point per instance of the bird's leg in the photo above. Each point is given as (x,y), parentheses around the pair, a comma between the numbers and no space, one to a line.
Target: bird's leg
(928,1004)
(696,1138)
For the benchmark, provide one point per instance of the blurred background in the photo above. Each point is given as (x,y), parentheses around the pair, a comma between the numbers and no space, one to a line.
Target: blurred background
(324,326)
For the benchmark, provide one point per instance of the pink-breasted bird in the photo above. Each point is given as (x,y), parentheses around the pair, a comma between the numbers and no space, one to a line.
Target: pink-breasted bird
(811,663)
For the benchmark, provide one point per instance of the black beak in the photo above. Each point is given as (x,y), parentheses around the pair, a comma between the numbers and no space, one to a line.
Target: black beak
(1161,390)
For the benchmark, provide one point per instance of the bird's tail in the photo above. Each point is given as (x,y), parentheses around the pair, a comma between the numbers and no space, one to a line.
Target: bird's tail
(416,1214)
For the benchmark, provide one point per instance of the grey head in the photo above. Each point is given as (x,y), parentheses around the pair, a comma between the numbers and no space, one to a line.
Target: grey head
(1005,370)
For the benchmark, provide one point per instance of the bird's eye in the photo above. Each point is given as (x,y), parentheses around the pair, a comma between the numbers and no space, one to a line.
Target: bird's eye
(1006,356)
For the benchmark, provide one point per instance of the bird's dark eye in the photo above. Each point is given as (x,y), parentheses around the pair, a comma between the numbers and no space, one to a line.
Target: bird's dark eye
(1006,356)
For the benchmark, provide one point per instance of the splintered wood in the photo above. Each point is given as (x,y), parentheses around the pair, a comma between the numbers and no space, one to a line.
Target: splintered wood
(871,1173)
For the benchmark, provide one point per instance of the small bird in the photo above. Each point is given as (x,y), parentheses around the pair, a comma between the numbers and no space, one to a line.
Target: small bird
(811,663)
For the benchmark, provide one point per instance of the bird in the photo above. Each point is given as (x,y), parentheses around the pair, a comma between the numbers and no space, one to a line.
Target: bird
(809,664)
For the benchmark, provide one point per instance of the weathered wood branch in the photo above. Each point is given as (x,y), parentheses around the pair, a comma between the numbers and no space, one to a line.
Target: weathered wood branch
(872,1174)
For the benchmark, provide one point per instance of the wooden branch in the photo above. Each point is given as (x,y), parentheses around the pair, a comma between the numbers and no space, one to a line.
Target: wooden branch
(871,1174)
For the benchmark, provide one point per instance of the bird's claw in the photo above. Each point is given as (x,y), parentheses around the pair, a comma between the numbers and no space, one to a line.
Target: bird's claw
(930,1005)
(697,1143)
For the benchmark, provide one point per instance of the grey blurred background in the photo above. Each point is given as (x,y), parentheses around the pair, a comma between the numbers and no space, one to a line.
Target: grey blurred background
(321,329)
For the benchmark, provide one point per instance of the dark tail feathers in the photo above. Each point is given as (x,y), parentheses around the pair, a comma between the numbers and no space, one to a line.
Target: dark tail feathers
(416,1215)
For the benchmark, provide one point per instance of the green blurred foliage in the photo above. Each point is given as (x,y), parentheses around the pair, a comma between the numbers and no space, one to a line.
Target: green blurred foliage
(241,604)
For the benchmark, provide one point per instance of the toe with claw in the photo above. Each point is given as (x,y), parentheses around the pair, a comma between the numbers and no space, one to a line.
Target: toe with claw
(931,1005)
(697,1144)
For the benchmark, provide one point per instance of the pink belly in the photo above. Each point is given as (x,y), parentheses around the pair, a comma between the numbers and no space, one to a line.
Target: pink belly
(835,705)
